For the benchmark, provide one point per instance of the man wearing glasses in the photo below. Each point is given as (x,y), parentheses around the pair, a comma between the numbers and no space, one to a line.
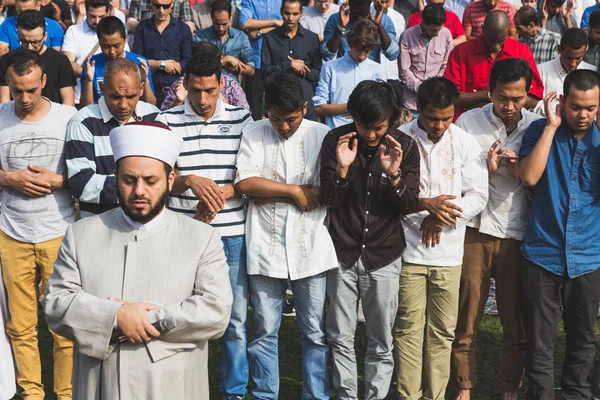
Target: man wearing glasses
(31,29)
(167,44)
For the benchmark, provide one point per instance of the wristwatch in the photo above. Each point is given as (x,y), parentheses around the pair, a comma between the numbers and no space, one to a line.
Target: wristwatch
(259,33)
(342,29)
(161,66)
(394,177)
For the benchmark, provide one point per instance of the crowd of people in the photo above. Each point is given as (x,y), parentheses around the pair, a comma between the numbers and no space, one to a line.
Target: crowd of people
(380,160)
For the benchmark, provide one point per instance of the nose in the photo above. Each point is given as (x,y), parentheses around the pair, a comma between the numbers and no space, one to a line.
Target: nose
(139,187)
(285,126)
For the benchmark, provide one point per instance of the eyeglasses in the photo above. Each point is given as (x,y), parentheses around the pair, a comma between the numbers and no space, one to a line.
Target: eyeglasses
(30,42)
(163,6)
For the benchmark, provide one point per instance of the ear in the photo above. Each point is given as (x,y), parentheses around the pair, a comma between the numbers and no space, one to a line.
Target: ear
(185,82)
(171,179)
(43,81)
(142,87)
(101,86)
(304,108)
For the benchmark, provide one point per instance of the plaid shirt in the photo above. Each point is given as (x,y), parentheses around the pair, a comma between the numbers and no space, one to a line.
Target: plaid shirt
(544,45)
(142,9)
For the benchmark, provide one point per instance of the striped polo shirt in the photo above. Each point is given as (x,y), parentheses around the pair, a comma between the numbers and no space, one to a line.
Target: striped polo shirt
(209,150)
(476,12)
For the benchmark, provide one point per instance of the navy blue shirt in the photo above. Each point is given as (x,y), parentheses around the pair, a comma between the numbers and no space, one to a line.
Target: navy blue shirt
(175,43)
(563,231)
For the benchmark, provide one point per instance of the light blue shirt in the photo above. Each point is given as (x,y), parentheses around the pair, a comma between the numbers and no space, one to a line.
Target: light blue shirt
(391,53)
(258,9)
(338,79)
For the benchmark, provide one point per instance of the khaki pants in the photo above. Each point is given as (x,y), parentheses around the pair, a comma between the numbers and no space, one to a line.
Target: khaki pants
(482,252)
(24,265)
(428,299)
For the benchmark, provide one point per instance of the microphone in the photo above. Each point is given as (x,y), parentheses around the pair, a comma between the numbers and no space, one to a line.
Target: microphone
(163,326)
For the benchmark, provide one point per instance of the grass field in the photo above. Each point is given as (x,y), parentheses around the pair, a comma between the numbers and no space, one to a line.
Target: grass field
(290,351)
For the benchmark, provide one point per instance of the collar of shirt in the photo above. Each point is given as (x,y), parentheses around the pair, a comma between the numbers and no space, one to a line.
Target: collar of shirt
(350,61)
(172,22)
(300,32)
(107,115)
(497,121)
(540,35)
(424,138)
(86,27)
(507,49)
(189,110)
(144,227)
(558,67)
(214,36)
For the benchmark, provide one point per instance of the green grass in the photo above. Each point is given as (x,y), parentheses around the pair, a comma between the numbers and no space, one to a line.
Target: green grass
(290,351)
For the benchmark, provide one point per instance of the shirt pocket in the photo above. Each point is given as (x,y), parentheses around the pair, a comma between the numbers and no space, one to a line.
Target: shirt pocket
(590,177)
(417,61)
(435,57)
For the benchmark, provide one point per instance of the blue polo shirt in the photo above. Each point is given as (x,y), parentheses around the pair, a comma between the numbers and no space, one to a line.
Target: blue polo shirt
(564,229)
(101,61)
(8,33)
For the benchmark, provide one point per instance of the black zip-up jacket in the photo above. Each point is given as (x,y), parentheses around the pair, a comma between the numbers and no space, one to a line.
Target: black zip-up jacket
(365,210)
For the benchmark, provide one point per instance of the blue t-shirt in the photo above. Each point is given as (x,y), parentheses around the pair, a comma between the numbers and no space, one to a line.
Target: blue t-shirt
(101,61)
(8,33)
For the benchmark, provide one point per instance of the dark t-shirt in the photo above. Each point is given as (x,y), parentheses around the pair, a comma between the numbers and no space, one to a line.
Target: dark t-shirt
(59,73)
(65,11)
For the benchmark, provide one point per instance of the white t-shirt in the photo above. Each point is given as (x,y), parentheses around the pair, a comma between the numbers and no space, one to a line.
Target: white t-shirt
(391,67)
(40,143)
(314,21)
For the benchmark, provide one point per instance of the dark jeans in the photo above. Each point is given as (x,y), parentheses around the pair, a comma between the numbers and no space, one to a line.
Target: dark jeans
(255,89)
(543,294)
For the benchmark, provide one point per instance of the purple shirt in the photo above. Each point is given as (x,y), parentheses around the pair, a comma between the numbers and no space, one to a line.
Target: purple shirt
(232,93)
(421,58)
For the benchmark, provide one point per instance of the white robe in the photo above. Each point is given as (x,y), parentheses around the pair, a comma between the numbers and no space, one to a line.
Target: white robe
(178,264)
(7,366)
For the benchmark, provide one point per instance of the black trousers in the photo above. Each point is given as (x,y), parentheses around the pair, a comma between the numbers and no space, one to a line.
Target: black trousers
(255,89)
(543,295)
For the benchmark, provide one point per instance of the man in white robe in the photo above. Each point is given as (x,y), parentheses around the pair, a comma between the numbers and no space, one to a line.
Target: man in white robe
(121,271)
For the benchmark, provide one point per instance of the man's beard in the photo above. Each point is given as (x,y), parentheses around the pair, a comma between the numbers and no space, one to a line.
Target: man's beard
(137,216)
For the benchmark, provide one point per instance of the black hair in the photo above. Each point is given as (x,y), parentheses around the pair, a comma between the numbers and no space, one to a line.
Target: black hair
(97,4)
(284,92)
(359,3)
(220,5)
(527,15)
(581,79)
(203,64)
(434,14)
(594,20)
(109,26)
(439,92)
(22,61)
(557,2)
(31,19)
(574,38)
(372,102)
(291,1)
(510,70)
(206,47)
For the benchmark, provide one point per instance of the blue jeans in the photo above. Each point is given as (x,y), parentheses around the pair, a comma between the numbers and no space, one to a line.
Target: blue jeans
(234,359)
(267,296)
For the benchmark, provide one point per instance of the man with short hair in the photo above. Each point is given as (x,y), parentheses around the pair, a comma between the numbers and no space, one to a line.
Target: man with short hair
(335,43)
(454,189)
(278,167)
(90,162)
(293,49)
(201,14)
(452,23)
(35,210)
(166,43)
(315,17)
(424,52)
(237,55)
(493,239)
(81,40)
(339,77)
(556,17)
(476,13)
(592,55)
(470,63)
(204,189)
(560,275)
(9,39)
(31,29)
(111,37)
(369,180)
(542,43)
(142,9)
(122,273)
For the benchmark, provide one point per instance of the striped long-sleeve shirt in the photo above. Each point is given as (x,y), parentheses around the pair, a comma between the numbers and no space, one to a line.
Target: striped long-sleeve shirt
(90,161)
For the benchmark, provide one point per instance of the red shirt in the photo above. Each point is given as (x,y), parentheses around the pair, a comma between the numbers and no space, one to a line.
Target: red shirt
(452,23)
(470,63)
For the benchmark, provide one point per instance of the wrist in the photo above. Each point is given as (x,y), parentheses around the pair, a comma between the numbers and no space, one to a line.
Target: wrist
(341,171)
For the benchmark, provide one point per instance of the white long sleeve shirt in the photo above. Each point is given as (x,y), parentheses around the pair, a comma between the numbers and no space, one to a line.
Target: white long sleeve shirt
(452,166)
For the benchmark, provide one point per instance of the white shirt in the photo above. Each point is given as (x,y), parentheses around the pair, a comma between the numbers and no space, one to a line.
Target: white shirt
(314,21)
(391,67)
(453,166)
(281,240)
(80,39)
(507,212)
(553,76)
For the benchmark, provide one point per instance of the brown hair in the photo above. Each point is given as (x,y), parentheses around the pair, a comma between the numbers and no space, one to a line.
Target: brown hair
(363,35)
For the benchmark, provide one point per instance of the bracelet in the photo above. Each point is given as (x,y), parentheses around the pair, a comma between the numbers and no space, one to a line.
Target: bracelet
(394,177)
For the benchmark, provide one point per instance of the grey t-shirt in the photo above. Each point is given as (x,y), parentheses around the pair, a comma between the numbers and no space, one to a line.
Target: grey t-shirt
(41,143)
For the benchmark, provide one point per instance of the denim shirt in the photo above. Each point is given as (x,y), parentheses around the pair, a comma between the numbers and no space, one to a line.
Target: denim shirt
(258,9)
(563,231)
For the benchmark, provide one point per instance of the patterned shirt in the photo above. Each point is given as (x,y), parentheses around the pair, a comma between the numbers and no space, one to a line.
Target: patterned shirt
(476,12)
(231,92)
(544,45)
(142,9)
